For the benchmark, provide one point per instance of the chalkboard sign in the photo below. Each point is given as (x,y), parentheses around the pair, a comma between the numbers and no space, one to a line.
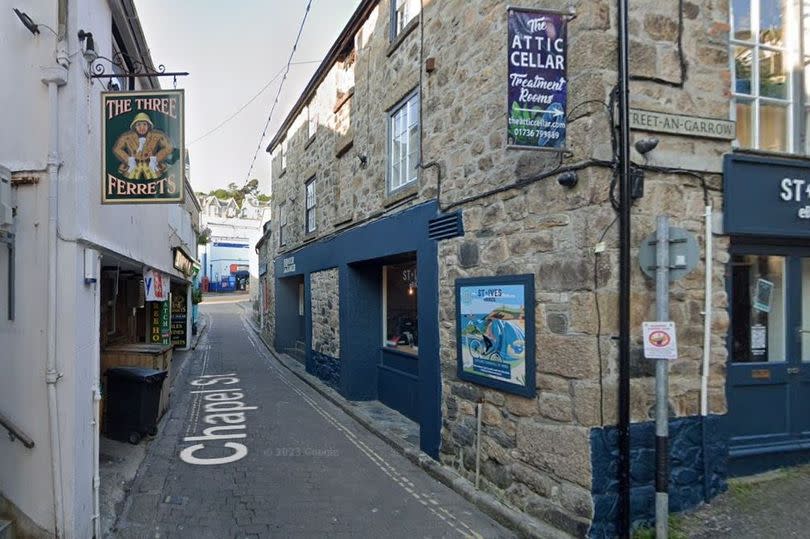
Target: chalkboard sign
(179,319)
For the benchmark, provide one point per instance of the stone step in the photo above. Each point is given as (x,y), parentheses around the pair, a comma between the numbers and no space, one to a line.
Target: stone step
(6,532)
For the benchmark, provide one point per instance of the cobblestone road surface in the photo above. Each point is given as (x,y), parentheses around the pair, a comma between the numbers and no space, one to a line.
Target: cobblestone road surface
(310,470)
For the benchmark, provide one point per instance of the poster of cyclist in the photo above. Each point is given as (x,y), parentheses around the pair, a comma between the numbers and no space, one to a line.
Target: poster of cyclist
(495,318)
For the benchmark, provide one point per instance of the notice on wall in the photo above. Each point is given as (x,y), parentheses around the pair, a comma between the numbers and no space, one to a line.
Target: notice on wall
(762,295)
(156,285)
(759,340)
(143,148)
(179,319)
(660,341)
(538,87)
(159,328)
(495,324)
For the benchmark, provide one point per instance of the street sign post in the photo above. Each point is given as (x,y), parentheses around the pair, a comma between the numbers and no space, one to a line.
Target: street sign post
(668,255)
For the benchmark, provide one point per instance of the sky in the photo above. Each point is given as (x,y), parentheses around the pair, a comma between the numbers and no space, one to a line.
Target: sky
(232,50)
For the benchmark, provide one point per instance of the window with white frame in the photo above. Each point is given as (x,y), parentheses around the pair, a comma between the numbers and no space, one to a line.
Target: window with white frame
(767,85)
(312,122)
(402,12)
(283,155)
(311,205)
(282,225)
(403,145)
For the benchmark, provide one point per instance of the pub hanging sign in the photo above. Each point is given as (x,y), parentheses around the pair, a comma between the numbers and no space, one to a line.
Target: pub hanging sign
(143,154)
(537,83)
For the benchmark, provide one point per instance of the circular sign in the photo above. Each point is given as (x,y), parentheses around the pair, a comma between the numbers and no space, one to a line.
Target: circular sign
(659,338)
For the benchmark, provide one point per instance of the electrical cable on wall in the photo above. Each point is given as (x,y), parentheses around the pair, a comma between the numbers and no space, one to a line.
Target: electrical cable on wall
(275,101)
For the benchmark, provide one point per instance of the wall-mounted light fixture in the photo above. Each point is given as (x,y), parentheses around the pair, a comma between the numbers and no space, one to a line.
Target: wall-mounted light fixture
(27,21)
(363,158)
(89,52)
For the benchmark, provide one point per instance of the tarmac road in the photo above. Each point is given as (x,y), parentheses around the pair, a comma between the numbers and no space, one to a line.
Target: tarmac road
(282,461)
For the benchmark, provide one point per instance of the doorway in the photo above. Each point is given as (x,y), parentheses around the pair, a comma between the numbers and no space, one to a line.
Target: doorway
(291,322)
(768,382)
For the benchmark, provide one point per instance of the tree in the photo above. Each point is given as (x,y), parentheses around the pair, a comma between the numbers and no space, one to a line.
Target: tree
(239,193)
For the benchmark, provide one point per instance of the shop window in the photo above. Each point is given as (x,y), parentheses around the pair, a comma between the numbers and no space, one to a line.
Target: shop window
(312,204)
(804,330)
(402,12)
(399,307)
(403,144)
(765,57)
(300,299)
(758,308)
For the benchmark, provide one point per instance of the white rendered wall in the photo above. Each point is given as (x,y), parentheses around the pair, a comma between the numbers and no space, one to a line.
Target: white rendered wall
(143,233)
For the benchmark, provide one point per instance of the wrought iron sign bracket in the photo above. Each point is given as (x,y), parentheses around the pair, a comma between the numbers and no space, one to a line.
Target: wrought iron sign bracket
(130,68)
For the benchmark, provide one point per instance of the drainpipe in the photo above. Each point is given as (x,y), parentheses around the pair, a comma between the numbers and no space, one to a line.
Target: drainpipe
(54,77)
(707,317)
(624,273)
(707,350)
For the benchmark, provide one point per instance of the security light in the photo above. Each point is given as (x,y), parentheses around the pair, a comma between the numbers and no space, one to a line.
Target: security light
(646,145)
(568,179)
(26,20)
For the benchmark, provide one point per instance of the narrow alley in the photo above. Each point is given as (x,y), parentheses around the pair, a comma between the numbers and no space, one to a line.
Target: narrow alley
(309,469)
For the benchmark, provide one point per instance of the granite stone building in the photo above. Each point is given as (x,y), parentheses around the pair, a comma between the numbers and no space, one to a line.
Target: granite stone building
(396,184)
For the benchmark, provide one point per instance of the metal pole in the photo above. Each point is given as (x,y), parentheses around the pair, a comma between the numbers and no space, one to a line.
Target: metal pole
(662,384)
(624,272)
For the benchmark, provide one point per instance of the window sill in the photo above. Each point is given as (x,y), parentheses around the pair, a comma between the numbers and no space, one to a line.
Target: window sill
(342,99)
(397,41)
(408,191)
(344,143)
(401,352)
(310,141)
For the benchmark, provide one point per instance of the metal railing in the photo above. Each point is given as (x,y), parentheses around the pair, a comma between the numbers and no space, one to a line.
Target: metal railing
(14,432)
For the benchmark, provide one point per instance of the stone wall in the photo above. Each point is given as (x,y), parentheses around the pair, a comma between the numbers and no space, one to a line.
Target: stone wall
(352,105)
(697,469)
(325,301)
(268,281)
(536,452)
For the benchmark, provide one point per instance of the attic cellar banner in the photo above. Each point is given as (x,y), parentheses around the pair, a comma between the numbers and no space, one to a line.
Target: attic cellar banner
(143,158)
(538,88)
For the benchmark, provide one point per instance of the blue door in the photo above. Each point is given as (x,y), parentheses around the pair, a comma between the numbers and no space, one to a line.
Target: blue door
(768,377)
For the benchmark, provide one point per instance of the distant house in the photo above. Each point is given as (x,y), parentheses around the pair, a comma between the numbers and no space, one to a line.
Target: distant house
(228,260)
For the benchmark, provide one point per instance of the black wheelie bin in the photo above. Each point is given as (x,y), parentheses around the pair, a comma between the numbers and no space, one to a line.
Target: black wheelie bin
(133,398)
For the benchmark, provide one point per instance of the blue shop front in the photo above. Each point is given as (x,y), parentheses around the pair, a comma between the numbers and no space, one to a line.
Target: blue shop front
(767,218)
(387,302)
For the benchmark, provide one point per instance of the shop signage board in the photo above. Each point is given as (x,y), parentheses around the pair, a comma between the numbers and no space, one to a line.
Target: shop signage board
(766,196)
(159,328)
(143,147)
(183,263)
(289,264)
(155,285)
(680,124)
(536,79)
(179,319)
(660,340)
(495,332)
